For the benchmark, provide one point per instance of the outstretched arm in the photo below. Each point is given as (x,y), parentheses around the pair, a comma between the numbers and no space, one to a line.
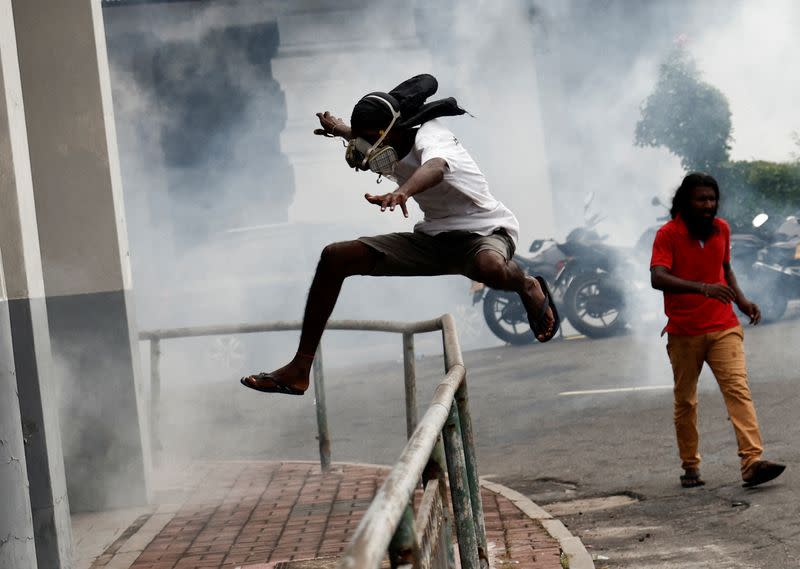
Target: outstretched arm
(425,177)
(332,126)
(749,308)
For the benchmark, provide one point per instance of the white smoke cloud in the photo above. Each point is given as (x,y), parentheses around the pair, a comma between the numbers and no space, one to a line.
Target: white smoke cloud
(751,59)
(493,66)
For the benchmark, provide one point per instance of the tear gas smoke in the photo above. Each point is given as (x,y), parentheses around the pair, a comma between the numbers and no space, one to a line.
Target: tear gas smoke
(223,230)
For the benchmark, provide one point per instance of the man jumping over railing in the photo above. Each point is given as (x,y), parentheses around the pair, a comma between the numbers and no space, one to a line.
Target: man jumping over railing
(465,229)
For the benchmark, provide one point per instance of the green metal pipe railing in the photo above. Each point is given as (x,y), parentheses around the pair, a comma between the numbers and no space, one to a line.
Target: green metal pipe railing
(440,447)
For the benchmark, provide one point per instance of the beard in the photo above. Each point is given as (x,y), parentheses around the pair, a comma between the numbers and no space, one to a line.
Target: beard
(701,227)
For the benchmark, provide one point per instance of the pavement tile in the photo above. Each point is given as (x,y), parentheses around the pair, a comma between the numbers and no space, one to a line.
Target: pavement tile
(249,514)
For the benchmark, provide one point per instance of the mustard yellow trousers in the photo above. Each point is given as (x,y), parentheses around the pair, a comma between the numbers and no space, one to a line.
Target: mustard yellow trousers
(723,351)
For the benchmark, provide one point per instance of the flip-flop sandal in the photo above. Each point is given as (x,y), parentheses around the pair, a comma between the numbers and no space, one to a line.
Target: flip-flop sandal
(276,386)
(692,480)
(539,323)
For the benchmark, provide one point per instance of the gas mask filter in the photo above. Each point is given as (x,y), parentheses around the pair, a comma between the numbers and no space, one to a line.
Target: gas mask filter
(362,155)
(378,158)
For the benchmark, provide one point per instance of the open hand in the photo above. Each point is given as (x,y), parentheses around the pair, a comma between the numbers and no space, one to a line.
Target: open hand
(751,310)
(331,125)
(720,292)
(391,201)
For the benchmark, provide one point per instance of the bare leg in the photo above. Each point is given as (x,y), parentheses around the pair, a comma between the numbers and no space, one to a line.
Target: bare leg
(493,270)
(337,262)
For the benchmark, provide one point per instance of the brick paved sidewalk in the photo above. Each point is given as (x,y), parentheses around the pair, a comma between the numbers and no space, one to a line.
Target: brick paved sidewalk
(248,514)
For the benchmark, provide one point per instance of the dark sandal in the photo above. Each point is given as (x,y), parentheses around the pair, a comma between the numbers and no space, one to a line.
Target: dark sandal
(276,386)
(692,479)
(762,471)
(539,322)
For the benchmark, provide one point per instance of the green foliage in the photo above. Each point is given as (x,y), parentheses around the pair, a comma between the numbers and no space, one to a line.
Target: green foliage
(691,118)
(748,188)
(796,139)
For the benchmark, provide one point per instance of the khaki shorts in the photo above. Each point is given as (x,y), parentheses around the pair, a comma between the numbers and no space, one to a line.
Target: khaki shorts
(449,253)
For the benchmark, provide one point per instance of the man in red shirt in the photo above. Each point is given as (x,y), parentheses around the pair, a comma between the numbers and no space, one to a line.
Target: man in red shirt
(691,265)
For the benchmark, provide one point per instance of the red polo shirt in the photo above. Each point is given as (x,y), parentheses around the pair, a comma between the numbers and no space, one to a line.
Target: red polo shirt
(691,314)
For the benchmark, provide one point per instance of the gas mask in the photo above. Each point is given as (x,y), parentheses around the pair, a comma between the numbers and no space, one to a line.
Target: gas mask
(362,155)
(377,157)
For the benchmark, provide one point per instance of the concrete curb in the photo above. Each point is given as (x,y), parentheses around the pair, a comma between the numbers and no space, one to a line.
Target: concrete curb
(572,546)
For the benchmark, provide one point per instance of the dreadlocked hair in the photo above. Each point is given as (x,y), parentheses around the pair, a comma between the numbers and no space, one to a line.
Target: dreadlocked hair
(680,203)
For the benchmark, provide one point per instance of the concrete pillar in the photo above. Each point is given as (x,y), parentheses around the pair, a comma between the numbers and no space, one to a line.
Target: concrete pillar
(27,324)
(16,524)
(85,260)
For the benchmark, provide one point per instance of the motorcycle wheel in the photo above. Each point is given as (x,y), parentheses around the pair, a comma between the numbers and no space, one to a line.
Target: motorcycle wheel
(594,306)
(773,306)
(766,290)
(506,317)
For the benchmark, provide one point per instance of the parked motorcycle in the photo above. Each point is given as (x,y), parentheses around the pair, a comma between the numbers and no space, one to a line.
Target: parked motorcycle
(776,271)
(749,252)
(503,311)
(607,288)
(745,247)
(595,285)
(595,278)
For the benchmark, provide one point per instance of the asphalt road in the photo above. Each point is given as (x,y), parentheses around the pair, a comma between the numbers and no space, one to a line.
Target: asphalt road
(621,445)
(605,463)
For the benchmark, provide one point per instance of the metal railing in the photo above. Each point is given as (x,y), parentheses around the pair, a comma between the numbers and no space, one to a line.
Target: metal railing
(440,448)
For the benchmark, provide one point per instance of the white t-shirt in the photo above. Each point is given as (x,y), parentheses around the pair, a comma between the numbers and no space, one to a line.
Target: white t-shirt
(462,199)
